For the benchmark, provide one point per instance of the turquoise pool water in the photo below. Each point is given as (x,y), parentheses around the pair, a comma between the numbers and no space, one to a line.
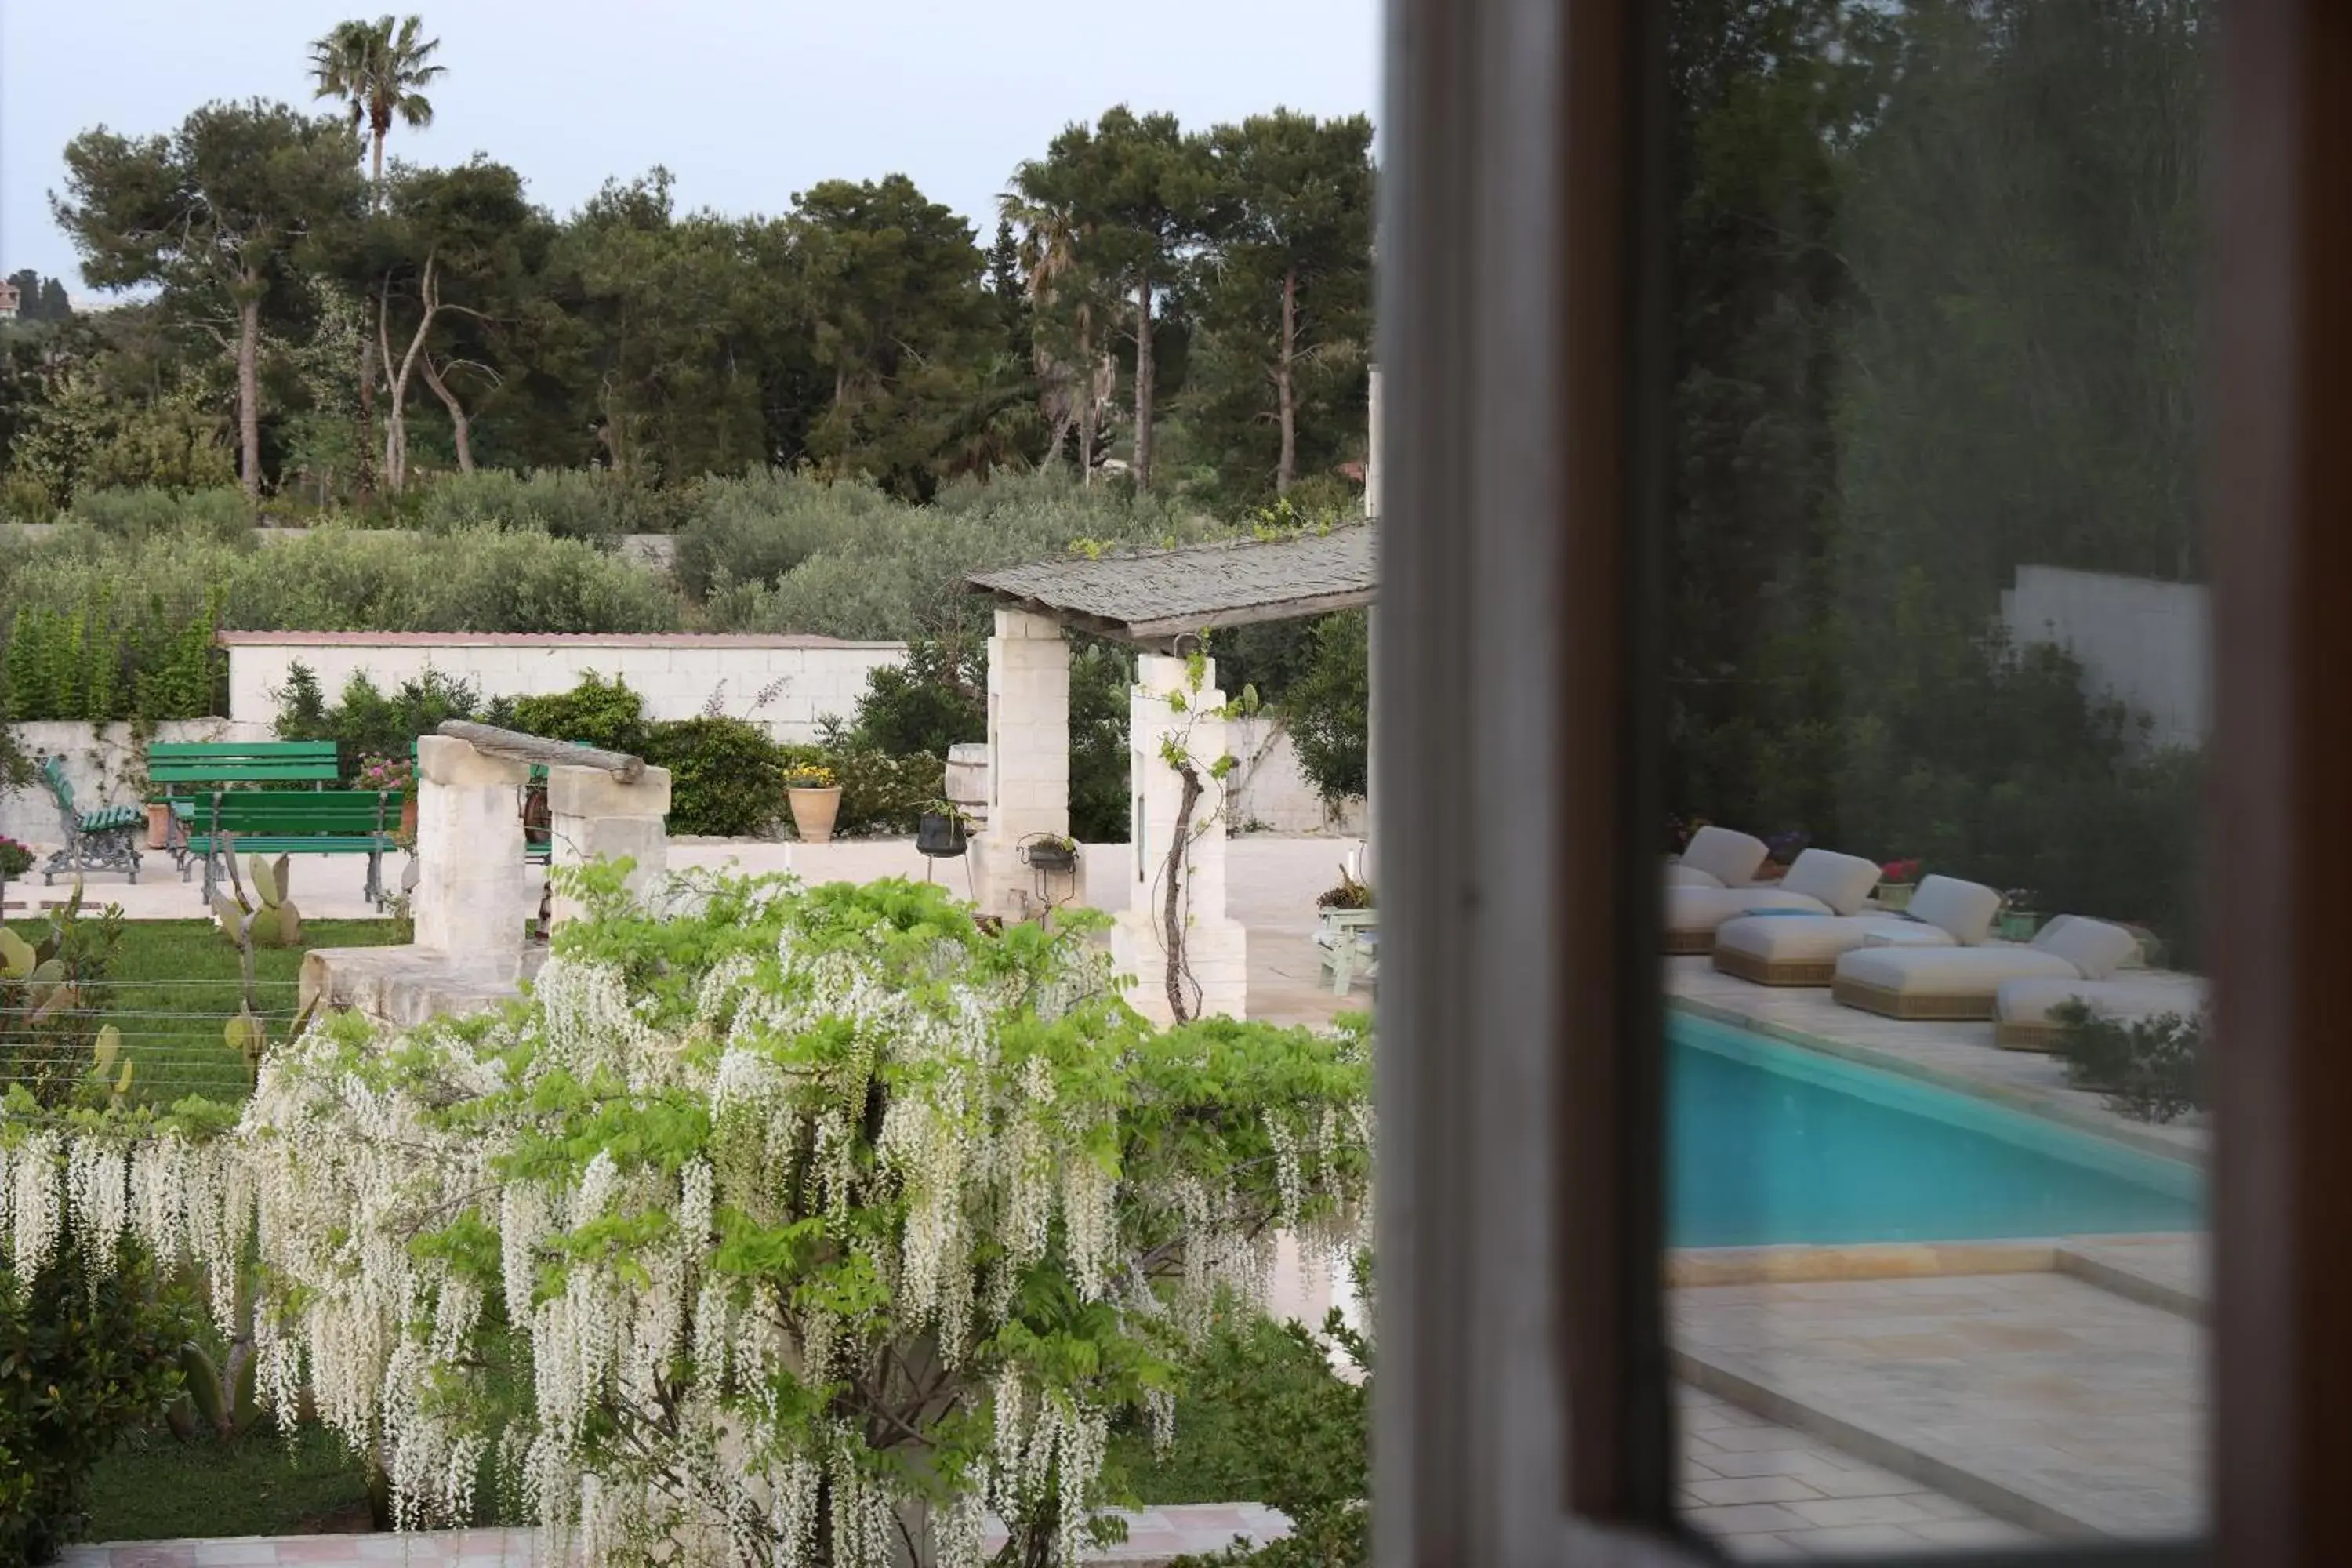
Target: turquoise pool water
(1772,1143)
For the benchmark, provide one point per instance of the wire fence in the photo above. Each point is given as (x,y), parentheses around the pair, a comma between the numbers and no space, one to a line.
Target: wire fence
(175,1034)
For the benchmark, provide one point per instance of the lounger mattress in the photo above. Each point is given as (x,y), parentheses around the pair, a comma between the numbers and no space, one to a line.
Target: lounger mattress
(2022,1017)
(1693,913)
(1803,950)
(1955,983)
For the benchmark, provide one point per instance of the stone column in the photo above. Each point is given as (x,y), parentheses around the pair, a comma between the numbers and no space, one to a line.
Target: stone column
(1028,758)
(473,890)
(1373,644)
(1215,947)
(595,817)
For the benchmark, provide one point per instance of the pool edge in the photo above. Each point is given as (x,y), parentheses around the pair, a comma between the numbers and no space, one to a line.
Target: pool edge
(2032,1102)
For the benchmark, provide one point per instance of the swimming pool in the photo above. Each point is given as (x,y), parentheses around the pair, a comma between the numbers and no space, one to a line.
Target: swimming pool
(1772,1143)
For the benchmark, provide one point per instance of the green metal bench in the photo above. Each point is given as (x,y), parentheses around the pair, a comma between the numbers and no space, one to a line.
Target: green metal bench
(293,822)
(184,773)
(106,839)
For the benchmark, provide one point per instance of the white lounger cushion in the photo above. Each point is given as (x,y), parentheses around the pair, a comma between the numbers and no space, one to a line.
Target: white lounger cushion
(1724,859)
(2033,1001)
(1705,908)
(1681,875)
(1842,883)
(1797,939)
(1964,910)
(2094,948)
(2069,948)
(1950,971)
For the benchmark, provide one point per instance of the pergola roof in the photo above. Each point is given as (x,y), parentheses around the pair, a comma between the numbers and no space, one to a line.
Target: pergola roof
(1154,596)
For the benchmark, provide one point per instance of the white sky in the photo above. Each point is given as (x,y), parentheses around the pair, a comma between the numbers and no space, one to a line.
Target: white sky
(744,100)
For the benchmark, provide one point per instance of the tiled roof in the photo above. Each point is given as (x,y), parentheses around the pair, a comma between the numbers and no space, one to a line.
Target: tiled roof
(1151,596)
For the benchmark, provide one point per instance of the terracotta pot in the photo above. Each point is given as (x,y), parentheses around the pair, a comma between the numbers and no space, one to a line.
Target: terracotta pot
(159,825)
(408,816)
(814,811)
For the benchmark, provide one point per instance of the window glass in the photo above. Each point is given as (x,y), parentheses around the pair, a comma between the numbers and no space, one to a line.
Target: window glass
(1937,688)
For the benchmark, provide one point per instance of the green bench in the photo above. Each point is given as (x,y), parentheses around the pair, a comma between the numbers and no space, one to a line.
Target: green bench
(294,822)
(186,774)
(106,839)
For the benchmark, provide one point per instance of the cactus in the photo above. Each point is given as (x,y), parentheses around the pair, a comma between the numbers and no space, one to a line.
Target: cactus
(273,922)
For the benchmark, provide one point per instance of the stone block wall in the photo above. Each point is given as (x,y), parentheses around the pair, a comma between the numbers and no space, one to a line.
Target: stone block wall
(808,679)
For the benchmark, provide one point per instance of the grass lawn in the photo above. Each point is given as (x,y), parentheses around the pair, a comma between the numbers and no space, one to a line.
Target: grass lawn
(177,983)
(154,1488)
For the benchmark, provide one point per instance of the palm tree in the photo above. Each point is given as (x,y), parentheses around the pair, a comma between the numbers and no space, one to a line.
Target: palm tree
(1071,381)
(381,68)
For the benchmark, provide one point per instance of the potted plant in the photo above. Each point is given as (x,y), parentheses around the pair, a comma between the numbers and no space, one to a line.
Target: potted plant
(393,776)
(941,831)
(1051,852)
(814,796)
(2019,914)
(1897,880)
(15,859)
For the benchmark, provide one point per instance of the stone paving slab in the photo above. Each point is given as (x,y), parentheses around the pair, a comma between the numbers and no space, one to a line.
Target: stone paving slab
(2037,1397)
(1767,1492)
(2173,1273)
(1155,1535)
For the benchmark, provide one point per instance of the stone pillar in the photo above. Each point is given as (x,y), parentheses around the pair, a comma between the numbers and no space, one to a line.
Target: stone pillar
(595,817)
(1028,758)
(473,890)
(1372,643)
(1215,947)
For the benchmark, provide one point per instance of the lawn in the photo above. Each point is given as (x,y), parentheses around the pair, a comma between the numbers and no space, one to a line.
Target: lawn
(177,983)
(154,1488)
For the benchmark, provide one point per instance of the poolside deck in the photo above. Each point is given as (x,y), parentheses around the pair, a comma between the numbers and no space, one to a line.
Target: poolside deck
(2057,1385)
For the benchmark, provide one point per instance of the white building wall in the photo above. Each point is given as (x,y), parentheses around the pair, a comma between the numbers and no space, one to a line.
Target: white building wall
(2147,642)
(806,679)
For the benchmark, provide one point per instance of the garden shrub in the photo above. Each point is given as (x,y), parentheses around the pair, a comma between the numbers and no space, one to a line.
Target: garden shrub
(114,656)
(596,712)
(2148,1068)
(1102,676)
(727,777)
(368,723)
(937,698)
(585,504)
(1264,1416)
(811,1209)
(88,1351)
(224,515)
(883,795)
(1328,707)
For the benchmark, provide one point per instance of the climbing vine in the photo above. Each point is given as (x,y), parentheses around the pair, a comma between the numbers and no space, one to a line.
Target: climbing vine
(827,1221)
(1195,774)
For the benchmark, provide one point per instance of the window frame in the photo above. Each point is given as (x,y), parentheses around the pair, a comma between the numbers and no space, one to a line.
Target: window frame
(1521,1411)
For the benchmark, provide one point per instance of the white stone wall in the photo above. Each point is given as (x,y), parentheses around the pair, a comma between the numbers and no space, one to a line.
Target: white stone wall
(104,764)
(2145,641)
(813,678)
(1270,792)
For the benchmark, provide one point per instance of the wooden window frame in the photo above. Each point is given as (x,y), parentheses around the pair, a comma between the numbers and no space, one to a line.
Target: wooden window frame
(1521,1409)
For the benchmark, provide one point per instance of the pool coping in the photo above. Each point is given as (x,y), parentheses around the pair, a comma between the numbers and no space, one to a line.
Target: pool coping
(2035,1102)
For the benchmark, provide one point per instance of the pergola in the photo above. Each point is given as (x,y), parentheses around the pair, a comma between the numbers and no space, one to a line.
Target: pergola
(1155,600)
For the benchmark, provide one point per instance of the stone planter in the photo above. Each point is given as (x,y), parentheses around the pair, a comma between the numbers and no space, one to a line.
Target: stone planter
(814,811)
(159,824)
(1895,895)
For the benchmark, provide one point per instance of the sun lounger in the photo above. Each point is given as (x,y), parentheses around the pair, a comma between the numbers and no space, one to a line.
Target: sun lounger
(1804,950)
(1962,982)
(2023,1009)
(1820,883)
(1716,858)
